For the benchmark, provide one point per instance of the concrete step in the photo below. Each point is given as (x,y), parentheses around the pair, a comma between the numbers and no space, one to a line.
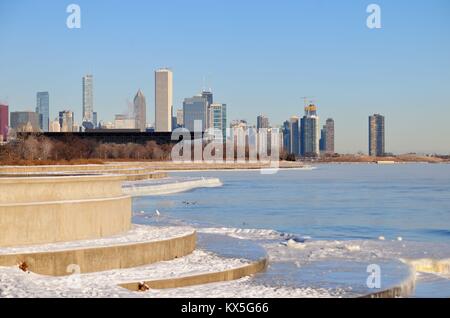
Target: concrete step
(140,246)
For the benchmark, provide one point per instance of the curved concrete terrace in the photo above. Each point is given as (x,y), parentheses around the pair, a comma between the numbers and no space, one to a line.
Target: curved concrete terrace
(141,246)
(40,210)
(253,256)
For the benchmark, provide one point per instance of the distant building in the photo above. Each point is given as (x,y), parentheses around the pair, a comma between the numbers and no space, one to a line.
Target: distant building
(124,122)
(180,121)
(286,136)
(54,126)
(88,99)
(76,127)
(163,100)
(25,121)
(174,123)
(218,118)
(105,125)
(376,136)
(43,109)
(195,109)
(140,112)
(262,122)
(4,122)
(95,118)
(238,130)
(294,147)
(327,137)
(66,121)
(310,132)
(208,95)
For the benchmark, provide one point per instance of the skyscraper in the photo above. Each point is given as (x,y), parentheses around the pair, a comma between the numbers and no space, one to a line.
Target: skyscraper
(43,109)
(327,137)
(218,118)
(262,122)
(195,109)
(294,135)
(140,113)
(180,122)
(95,119)
(25,121)
(4,122)
(376,136)
(163,100)
(66,121)
(208,95)
(88,101)
(286,136)
(310,132)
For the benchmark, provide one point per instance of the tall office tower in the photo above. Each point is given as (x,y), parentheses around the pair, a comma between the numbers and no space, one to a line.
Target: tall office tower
(140,111)
(95,120)
(43,109)
(66,121)
(286,136)
(294,136)
(4,122)
(88,100)
(194,109)
(376,135)
(208,95)
(310,132)
(327,137)
(163,100)
(180,122)
(262,122)
(25,121)
(218,118)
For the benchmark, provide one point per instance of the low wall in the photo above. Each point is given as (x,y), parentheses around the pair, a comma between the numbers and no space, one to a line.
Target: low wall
(103,258)
(59,188)
(55,209)
(214,277)
(169,188)
(116,168)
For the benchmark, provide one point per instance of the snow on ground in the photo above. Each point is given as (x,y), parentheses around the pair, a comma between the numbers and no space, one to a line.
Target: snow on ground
(138,234)
(15,283)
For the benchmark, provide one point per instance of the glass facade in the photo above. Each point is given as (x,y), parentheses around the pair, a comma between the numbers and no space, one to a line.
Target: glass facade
(43,109)
(195,109)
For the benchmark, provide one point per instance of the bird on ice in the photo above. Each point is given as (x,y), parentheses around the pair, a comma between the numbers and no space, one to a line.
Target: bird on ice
(158,213)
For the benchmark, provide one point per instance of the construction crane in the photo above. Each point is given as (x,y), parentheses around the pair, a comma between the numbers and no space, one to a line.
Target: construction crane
(305,100)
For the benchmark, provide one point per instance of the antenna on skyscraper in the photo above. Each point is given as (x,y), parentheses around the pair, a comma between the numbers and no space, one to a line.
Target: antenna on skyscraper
(204,83)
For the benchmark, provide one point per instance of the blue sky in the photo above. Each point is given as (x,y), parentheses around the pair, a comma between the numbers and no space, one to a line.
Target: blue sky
(258,56)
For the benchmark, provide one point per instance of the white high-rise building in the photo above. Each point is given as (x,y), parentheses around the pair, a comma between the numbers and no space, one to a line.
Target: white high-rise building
(163,100)
(88,99)
(180,121)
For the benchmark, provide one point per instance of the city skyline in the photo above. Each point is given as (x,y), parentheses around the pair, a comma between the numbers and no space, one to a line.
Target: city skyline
(369,71)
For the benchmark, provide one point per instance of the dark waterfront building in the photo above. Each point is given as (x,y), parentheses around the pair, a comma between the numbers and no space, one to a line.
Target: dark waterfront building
(376,136)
